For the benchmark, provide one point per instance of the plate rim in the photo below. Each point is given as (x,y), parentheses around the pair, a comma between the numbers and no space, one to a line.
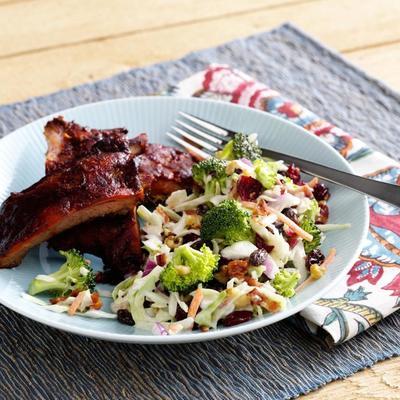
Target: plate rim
(192,336)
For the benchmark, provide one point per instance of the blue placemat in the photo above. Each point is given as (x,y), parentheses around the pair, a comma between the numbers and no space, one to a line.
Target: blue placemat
(276,362)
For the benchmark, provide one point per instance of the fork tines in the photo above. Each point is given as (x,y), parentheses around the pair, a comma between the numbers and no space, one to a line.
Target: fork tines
(199,137)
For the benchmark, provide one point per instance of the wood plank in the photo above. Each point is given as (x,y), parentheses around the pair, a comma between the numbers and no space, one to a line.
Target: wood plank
(13,2)
(48,24)
(381,382)
(381,62)
(64,67)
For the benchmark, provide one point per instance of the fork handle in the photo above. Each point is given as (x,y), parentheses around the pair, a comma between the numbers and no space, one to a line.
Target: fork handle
(380,190)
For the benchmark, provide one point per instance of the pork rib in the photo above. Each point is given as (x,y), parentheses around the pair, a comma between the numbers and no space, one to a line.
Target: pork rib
(95,186)
(69,142)
(116,238)
(164,169)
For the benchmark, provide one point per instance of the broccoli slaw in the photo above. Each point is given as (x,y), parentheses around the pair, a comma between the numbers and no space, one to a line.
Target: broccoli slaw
(241,244)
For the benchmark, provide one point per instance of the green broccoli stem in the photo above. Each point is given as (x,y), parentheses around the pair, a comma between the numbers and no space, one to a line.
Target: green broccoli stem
(38,286)
(191,255)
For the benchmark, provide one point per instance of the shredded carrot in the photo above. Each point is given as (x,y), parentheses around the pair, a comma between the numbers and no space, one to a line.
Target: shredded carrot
(97,305)
(304,284)
(292,225)
(76,303)
(56,300)
(249,204)
(313,182)
(96,300)
(328,260)
(195,303)
(306,189)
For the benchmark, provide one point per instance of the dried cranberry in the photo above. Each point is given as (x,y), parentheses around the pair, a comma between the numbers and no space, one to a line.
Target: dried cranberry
(258,257)
(248,188)
(292,241)
(291,214)
(289,233)
(237,317)
(202,209)
(323,214)
(314,257)
(190,237)
(180,314)
(260,243)
(293,173)
(321,192)
(125,317)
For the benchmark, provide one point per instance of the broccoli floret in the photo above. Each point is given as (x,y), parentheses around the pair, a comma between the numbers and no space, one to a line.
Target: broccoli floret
(241,146)
(74,274)
(266,172)
(188,268)
(307,223)
(211,175)
(228,221)
(285,282)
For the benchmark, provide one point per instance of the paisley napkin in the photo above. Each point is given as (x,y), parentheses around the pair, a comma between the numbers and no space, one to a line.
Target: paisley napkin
(371,290)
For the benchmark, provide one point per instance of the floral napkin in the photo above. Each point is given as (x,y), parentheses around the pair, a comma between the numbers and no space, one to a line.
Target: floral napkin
(371,290)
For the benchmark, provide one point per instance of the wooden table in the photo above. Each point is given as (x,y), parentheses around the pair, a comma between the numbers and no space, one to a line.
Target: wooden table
(47,45)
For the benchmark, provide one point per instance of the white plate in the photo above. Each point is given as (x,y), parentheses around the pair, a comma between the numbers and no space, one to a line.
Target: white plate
(22,164)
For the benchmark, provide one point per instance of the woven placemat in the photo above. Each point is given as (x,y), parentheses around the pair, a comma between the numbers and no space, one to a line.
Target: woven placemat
(276,362)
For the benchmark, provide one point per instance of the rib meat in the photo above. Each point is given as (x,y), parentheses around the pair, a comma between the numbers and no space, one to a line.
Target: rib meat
(164,169)
(115,238)
(95,186)
(69,142)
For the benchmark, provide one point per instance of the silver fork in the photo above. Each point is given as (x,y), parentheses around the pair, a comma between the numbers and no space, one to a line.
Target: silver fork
(203,138)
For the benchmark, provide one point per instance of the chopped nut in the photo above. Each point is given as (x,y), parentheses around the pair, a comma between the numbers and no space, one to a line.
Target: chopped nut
(167,232)
(173,242)
(220,276)
(193,221)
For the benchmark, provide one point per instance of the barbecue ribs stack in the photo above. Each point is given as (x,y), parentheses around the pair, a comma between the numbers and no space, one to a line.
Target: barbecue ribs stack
(88,198)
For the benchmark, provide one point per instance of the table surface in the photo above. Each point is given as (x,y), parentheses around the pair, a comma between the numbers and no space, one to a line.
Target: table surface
(48,45)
